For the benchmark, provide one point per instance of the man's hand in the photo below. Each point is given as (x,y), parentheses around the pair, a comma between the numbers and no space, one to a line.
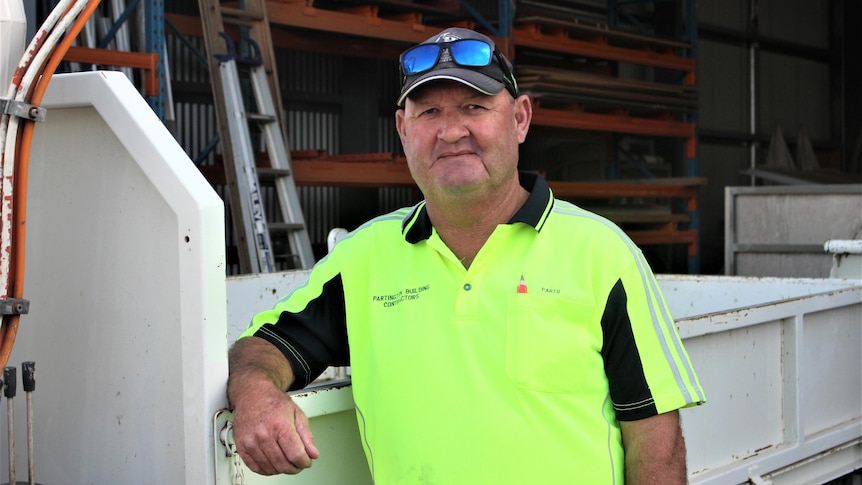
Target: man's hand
(272,434)
(270,431)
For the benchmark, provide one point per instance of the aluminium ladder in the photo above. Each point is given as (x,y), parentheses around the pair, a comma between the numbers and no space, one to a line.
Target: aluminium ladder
(253,231)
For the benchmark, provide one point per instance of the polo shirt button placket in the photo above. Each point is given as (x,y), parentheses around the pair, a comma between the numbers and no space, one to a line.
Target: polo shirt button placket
(467,302)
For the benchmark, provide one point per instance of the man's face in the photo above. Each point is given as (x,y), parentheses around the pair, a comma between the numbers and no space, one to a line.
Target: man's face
(459,141)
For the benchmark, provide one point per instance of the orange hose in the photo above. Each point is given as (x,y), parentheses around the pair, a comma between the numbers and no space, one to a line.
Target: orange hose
(60,52)
(22,165)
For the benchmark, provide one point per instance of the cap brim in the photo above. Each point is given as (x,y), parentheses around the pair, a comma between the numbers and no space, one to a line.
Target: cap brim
(474,79)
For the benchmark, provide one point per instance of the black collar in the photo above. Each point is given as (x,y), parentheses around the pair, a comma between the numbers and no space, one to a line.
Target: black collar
(417,225)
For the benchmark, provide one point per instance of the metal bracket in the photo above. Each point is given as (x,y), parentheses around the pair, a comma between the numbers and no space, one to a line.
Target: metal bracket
(22,110)
(14,306)
(223,437)
(254,59)
(757,479)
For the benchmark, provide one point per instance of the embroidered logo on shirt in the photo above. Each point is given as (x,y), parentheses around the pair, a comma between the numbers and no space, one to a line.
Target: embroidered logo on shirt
(407,294)
(522,286)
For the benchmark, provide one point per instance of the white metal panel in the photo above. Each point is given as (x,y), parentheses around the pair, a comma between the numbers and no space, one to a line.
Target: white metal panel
(804,423)
(741,374)
(125,273)
(829,368)
(787,264)
(690,296)
(249,294)
(781,230)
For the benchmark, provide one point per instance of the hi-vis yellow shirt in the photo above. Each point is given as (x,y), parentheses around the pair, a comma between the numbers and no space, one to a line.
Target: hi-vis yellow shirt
(514,371)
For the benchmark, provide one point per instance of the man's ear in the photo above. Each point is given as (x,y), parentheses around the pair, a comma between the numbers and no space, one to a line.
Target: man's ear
(523,116)
(399,124)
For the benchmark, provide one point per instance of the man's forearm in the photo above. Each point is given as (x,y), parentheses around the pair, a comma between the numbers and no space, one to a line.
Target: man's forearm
(654,450)
(252,361)
(271,433)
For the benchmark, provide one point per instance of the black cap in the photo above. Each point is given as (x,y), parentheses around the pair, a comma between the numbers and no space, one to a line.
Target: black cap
(488,80)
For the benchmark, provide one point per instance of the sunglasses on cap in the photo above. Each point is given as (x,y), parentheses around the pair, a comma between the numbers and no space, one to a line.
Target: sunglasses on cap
(463,52)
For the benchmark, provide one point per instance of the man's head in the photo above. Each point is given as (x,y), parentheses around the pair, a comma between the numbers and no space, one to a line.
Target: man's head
(460,55)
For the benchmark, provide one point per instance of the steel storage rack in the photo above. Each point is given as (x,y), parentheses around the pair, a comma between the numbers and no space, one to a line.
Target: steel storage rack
(388,29)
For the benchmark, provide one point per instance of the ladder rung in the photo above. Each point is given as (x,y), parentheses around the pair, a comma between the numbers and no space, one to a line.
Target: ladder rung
(241,22)
(238,13)
(285,226)
(260,118)
(272,173)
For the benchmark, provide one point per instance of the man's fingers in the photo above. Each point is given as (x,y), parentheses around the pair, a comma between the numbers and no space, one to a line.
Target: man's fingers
(270,460)
(260,465)
(294,452)
(304,432)
(294,440)
(285,460)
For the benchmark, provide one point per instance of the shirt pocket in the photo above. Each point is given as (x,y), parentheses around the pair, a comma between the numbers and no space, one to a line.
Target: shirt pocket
(549,342)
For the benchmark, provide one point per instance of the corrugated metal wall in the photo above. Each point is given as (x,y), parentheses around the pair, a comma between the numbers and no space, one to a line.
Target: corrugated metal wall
(313,93)
(196,124)
(305,75)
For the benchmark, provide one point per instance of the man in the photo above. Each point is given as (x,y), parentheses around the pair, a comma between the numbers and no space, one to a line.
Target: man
(495,335)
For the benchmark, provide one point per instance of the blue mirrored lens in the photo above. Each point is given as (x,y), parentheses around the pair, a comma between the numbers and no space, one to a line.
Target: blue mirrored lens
(420,58)
(469,52)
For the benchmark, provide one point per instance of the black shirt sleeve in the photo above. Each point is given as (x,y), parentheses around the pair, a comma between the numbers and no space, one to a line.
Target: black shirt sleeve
(314,338)
(629,390)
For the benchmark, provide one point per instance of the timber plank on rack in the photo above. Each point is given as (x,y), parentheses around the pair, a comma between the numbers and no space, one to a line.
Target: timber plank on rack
(568,86)
(562,77)
(352,170)
(555,35)
(364,23)
(666,236)
(649,226)
(303,14)
(638,214)
(673,187)
(439,7)
(318,168)
(604,100)
(577,29)
(615,122)
(351,174)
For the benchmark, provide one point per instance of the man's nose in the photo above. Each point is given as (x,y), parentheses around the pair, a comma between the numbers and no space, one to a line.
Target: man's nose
(452,127)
